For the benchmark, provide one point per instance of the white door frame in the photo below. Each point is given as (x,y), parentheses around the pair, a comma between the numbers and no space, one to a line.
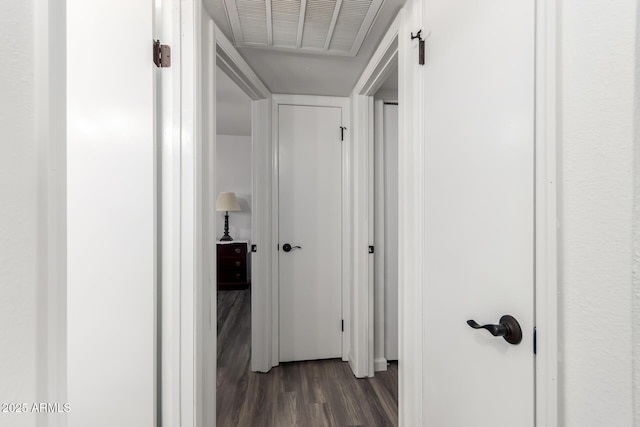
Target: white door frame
(230,61)
(199,45)
(377,215)
(381,65)
(316,101)
(411,200)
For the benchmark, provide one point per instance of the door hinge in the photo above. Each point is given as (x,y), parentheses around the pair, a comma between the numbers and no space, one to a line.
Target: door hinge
(342,129)
(420,46)
(371,249)
(254,248)
(161,54)
(342,325)
(535,340)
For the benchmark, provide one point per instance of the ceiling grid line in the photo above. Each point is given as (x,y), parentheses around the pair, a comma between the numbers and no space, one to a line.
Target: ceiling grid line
(303,12)
(234,20)
(332,26)
(269,23)
(366,25)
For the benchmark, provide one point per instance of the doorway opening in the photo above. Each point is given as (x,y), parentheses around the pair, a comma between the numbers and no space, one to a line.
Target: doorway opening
(233,192)
(384,200)
(264,339)
(258,396)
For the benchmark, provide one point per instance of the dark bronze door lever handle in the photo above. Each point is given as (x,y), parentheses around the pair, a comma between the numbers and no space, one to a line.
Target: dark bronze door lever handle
(509,329)
(287,247)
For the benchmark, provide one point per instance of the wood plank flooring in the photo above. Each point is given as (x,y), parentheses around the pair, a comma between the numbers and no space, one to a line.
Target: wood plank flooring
(309,394)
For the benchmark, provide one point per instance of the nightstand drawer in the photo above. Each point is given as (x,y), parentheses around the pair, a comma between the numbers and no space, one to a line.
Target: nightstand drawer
(233,250)
(232,275)
(229,262)
(233,265)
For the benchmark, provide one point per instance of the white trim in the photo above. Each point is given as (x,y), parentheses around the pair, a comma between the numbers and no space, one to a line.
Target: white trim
(361,355)
(261,293)
(50,126)
(234,66)
(234,21)
(273,252)
(546,279)
(370,235)
(190,397)
(347,227)
(170,218)
(410,222)
(201,45)
(378,238)
(380,364)
(332,26)
(382,63)
(207,336)
(269,19)
(303,11)
(320,101)
(366,26)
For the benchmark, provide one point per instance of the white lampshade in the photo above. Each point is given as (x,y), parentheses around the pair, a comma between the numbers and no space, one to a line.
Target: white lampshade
(227,201)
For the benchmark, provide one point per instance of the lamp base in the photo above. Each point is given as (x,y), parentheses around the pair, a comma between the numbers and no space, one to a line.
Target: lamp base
(226,237)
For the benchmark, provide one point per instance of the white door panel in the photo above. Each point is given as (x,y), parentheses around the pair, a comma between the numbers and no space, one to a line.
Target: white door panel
(111,215)
(310,210)
(479,224)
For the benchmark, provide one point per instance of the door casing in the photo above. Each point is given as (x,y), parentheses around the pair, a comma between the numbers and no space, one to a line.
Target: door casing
(190,306)
(410,372)
(318,101)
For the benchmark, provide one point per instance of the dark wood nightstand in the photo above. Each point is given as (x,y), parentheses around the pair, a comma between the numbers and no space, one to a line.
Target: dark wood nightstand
(233,265)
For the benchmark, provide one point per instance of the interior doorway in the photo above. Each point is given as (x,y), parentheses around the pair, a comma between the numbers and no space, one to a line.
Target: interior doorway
(385,222)
(264,353)
(412,179)
(247,397)
(233,190)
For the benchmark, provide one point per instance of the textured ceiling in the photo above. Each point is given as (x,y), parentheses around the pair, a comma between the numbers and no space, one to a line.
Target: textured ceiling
(316,26)
(308,73)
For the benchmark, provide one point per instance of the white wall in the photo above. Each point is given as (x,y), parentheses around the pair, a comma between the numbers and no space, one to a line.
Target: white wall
(233,116)
(18,210)
(597,42)
(233,173)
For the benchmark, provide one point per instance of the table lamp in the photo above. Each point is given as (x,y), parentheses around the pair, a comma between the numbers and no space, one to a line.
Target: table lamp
(227,202)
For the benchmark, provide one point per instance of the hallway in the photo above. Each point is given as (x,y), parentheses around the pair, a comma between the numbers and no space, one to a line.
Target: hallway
(313,393)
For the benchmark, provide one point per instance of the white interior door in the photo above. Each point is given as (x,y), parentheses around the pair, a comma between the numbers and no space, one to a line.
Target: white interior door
(310,211)
(479,202)
(112,270)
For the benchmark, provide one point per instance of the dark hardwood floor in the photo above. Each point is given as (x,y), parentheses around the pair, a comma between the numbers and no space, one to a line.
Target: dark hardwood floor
(309,394)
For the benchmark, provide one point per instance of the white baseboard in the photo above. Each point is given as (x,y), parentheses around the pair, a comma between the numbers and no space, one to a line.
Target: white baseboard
(380,364)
